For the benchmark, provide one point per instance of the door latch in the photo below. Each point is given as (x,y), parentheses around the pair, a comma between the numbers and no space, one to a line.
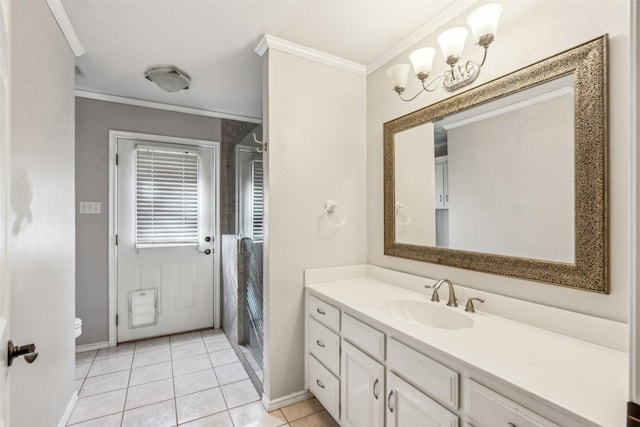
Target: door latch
(28,351)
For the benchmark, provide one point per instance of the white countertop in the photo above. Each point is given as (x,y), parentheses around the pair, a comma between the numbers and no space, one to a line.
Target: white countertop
(578,376)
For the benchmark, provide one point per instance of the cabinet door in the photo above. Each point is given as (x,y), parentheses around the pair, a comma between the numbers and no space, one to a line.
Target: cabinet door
(362,389)
(440,195)
(409,407)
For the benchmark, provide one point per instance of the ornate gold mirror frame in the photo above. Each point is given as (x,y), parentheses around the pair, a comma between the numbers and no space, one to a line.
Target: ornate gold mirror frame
(590,271)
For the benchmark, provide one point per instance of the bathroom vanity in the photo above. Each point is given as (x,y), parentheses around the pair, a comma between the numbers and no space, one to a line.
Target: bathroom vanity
(379,352)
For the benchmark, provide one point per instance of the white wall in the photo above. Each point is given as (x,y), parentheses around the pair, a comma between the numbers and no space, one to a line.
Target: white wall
(315,125)
(511,183)
(415,186)
(529,31)
(42,219)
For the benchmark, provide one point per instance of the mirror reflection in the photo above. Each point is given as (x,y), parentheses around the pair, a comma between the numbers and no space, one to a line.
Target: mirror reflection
(497,178)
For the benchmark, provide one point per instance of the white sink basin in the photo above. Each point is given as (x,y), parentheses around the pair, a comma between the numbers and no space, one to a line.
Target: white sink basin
(427,314)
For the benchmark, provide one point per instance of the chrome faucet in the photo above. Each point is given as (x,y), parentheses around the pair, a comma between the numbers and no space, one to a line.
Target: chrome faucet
(453,302)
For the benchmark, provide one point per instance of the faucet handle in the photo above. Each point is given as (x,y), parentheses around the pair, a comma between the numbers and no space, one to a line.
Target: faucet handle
(434,295)
(469,307)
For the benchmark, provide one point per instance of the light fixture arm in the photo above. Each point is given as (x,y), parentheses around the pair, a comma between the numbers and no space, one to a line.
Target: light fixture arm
(426,87)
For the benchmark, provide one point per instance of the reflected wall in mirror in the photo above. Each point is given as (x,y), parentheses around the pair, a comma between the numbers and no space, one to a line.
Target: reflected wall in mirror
(509,177)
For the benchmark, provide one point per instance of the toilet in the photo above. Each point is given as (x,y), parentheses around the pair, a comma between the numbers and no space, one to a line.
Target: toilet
(78,326)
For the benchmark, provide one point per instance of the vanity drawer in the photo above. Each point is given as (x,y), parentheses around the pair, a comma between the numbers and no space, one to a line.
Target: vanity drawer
(363,336)
(433,378)
(324,386)
(489,409)
(324,345)
(324,313)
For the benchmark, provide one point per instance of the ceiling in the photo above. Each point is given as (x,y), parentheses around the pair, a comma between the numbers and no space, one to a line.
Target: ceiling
(214,41)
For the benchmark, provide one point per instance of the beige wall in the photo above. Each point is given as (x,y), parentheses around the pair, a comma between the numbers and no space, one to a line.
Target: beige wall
(511,183)
(41,237)
(315,127)
(415,186)
(529,31)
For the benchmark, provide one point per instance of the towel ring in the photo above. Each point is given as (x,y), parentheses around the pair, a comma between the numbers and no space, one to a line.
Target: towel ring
(330,207)
(408,216)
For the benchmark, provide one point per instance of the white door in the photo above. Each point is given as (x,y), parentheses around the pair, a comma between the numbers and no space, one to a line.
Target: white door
(4,203)
(165,238)
(408,407)
(362,389)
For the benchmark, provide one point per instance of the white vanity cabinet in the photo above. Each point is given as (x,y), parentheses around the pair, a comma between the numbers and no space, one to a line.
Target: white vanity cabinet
(362,389)
(409,407)
(368,378)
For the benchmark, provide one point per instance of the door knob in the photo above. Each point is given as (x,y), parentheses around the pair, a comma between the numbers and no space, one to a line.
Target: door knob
(28,351)
(206,251)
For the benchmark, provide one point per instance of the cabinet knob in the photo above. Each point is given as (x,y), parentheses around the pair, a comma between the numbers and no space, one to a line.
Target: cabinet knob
(319,383)
(375,388)
(389,401)
(320,311)
(320,344)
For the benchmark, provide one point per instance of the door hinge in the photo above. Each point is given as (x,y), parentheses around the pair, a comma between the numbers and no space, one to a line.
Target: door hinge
(116,159)
(116,240)
(116,320)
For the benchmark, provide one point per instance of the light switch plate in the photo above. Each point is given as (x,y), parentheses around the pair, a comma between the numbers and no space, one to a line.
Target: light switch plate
(91,208)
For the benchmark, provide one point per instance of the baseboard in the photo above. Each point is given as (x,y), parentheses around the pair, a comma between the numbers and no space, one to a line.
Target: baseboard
(90,347)
(67,413)
(281,402)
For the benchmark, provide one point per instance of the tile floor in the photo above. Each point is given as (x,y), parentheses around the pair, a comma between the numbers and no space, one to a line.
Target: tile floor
(192,379)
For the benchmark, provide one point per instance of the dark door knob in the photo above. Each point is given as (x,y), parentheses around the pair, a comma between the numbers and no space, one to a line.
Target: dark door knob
(28,351)
(207,251)
(207,239)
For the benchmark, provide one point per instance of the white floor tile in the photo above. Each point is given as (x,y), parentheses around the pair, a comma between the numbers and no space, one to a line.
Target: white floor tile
(82,369)
(236,394)
(149,393)
(200,404)
(221,419)
(216,344)
(162,414)
(97,406)
(191,364)
(187,350)
(113,420)
(113,364)
(231,373)
(121,350)
(255,415)
(152,357)
(147,374)
(195,381)
(186,338)
(104,383)
(152,344)
(86,356)
(223,357)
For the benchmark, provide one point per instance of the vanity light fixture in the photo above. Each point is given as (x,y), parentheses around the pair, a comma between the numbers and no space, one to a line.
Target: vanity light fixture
(169,79)
(483,22)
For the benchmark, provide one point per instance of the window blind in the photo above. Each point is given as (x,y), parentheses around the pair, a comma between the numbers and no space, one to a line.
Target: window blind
(166,198)
(257,200)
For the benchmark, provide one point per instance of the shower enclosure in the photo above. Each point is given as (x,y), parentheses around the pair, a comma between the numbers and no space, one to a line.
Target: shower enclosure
(242,250)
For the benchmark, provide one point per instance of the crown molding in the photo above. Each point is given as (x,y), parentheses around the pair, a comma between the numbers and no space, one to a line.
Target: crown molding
(450,12)
(61,17)
(162,106)
(271,42)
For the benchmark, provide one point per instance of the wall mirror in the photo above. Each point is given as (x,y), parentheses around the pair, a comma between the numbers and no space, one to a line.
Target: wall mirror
(509,177)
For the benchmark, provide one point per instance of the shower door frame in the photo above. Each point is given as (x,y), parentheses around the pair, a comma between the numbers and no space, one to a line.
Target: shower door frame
(114,135)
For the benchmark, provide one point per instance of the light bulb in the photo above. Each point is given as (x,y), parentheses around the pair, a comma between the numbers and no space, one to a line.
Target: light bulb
(484,22)
(452,42)
(422,61)
(398,74)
